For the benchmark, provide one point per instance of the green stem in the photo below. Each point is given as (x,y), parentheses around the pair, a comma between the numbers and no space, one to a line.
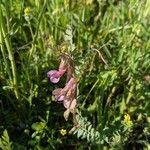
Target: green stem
(10,53)
(34,36)
(31,31)
(3,50)
(130,91)
(84,102)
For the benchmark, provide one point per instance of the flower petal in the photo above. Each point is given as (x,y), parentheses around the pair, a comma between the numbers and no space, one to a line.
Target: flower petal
(60,98)
(66,114)
(54,76)
(51,73)
(71,84)
(58,93)
(54,80)
(70,104)
(62,71)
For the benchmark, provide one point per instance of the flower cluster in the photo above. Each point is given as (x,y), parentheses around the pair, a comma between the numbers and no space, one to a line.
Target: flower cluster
(66,95)
(63,132)
(28,14)
(27,11)
(127,120)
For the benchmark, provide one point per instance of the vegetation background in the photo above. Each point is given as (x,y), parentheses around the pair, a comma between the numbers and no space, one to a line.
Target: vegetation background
(109,41)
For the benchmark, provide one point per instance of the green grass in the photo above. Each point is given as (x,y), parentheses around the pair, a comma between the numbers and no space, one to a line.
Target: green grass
(112,64)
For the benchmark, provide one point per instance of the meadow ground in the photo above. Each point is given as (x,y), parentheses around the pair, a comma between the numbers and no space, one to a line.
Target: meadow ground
(108,41)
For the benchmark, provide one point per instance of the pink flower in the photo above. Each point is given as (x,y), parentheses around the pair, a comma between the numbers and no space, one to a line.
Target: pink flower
(55,75)
(70,104)
(59,94)
(67,94)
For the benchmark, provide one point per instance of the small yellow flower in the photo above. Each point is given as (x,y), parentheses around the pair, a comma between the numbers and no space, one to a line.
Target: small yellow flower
(88,2)
(66,3)
(127,120)
(63,132)
(27,10)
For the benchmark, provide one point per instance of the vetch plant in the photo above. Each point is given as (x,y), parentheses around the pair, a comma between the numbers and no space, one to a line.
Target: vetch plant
(66,95)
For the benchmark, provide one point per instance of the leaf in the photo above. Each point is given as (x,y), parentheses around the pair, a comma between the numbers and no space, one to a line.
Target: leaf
(80,133)
(5,144)
(88,137)
(66,114)
(38,126)
(89,128)
(92,132)
(84,135)
(34,134)
(147,8)
(97,134)
(75,131)
(106,139)
(72,130)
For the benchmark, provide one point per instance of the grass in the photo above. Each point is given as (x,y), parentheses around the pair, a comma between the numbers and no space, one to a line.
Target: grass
(110,46)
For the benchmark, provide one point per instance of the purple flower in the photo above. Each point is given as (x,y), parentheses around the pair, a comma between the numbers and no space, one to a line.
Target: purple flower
(67,94)
(59,94)
(55,75)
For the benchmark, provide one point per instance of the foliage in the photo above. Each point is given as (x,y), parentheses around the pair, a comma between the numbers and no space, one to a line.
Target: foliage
(109,44)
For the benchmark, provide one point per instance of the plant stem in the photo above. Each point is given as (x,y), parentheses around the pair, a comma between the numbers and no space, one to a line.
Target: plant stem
(10,52)
(34,36)
(3,50)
